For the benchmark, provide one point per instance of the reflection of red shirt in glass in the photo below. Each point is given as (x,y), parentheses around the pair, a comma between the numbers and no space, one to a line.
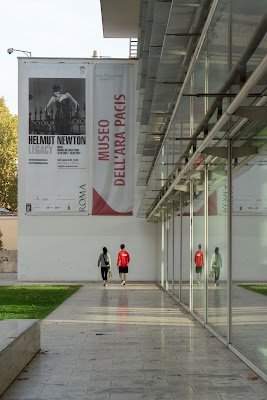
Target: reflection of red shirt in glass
(123,259)
(199,259)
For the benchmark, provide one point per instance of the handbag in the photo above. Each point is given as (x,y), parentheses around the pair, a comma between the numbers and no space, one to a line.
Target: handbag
(109,274)
(211,274)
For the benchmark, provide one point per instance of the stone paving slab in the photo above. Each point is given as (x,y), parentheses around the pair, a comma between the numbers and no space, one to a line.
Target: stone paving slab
(131,343)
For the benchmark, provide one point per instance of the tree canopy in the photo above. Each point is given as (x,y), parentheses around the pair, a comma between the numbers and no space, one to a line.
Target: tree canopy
(8,157)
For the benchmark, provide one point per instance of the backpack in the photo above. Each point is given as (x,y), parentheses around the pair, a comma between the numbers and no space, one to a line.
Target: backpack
(106,262)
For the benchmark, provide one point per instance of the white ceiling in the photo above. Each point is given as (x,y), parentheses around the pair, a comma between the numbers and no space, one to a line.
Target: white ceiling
(120,18)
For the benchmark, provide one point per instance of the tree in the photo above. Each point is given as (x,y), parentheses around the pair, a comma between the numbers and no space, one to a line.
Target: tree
(1,243)
(8,157)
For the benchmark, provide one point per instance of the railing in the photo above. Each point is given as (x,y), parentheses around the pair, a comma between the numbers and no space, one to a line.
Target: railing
(133,48)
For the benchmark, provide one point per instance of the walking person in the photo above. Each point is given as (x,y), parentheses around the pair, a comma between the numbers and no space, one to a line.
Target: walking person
(104,261)
(216,265)
(199,263)
(122,264)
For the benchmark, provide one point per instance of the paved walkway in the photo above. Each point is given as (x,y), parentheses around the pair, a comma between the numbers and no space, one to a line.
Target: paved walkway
(131,343)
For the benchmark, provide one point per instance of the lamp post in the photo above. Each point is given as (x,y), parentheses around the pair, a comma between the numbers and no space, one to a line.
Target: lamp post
(27,53)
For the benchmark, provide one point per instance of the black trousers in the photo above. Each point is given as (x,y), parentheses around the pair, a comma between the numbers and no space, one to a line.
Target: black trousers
(104,273)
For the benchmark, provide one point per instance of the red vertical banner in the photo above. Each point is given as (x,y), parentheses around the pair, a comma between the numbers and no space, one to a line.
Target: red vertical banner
(113,120)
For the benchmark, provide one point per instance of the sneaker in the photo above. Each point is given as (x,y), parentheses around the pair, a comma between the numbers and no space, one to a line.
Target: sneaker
(122,283)
(215,284)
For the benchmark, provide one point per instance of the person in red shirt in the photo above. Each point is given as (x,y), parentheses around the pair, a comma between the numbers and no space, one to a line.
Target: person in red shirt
(122,264)
(199,263)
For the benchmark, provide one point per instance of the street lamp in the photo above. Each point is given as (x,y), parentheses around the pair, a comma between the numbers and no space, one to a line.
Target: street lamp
(11,50)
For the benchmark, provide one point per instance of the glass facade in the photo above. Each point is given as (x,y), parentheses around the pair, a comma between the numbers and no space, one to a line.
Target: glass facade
(215,249)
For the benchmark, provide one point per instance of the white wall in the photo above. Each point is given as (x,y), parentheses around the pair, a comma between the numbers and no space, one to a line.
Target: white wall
(250,248)
(66,248)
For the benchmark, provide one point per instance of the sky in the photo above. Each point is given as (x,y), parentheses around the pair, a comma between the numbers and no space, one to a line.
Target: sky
(50,28)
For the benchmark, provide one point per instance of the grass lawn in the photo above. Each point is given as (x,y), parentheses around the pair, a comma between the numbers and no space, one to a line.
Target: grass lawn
(32,302)
(261,289)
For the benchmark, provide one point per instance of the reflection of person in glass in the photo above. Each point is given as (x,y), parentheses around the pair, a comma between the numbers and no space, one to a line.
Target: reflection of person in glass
(216,265)
(199,263)
(63,110)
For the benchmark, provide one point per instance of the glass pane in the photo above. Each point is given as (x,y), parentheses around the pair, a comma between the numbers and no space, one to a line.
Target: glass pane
(162,248)
(168,249)
(177,236)
(165,248)
(243,29)
(249,321)
(185,257)
(218,61)
(217,246)
(158,251)
(164,167)
(199,245)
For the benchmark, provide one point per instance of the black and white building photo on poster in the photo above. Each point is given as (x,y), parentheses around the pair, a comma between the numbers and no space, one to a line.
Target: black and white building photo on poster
(57,164)
(56,106)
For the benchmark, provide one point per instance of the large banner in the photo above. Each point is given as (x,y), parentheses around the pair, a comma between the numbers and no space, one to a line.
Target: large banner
(57,154)
(249,191)
(113,104)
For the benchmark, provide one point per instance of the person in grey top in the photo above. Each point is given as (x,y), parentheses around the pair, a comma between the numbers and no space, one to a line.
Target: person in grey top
(216,265)
(104,261)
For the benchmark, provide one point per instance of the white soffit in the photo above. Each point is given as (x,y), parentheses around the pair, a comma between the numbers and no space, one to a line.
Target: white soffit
(120,18)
